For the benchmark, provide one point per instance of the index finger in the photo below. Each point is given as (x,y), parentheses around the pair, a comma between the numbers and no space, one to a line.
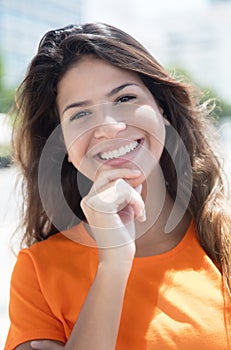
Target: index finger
(106,176)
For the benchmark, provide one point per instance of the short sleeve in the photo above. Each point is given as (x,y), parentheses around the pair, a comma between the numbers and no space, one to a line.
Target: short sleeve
(30,315)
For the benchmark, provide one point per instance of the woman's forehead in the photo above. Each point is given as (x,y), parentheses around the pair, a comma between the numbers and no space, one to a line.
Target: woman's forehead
(93,76)
(94,66)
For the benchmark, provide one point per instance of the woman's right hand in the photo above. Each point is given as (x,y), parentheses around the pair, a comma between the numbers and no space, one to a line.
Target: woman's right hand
(110,208)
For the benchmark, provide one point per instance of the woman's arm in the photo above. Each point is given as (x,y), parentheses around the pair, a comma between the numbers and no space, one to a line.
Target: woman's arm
(110,209)
(41,344)
(98,322)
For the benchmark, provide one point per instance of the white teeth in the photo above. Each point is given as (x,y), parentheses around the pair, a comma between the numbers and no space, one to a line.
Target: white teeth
(122,150)
(116,153)
(127,149)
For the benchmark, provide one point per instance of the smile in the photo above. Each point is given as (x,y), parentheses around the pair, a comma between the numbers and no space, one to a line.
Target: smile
(119,152)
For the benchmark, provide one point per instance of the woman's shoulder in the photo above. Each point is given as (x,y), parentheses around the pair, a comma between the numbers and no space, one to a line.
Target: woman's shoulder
(61,245)
(56,256)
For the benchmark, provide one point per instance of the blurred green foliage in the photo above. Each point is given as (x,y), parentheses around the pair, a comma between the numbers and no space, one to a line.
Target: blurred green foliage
(6,93)
(5,150)
(223,108)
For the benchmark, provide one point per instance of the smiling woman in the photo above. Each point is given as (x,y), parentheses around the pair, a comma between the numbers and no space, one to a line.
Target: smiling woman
(103,126)
(126,215)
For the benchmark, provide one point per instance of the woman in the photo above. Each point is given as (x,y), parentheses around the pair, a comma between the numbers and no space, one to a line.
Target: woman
(125,216)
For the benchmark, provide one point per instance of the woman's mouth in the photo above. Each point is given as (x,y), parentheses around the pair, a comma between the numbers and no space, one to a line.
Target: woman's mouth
(119,152)
(122,153)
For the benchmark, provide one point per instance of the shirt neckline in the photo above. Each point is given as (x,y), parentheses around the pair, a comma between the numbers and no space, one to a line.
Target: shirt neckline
(185,241)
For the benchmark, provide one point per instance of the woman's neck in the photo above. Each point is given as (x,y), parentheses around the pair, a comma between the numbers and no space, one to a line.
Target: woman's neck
(152,238)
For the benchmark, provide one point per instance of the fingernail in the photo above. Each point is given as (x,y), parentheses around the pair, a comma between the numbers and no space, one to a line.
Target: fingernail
(36,344)
(139,188)
(142,216)
(136,171)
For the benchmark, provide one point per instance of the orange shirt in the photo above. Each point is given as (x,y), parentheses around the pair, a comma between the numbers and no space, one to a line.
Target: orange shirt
(173,301)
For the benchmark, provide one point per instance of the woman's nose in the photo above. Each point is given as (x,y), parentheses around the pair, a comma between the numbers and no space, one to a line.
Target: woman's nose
(109,129)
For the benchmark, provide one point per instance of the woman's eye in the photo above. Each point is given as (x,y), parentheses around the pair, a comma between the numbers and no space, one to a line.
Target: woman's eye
(80,115)
(125,98)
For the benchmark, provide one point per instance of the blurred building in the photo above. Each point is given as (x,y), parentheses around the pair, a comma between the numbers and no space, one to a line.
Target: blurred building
(22,24)
(199,41)
(193,35)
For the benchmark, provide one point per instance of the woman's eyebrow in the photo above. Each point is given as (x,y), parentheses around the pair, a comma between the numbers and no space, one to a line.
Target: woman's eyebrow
(87,102)
(119,88)
(76,104)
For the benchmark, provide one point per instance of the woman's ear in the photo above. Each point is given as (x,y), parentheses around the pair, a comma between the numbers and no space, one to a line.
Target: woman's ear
(166,121)
(68,158)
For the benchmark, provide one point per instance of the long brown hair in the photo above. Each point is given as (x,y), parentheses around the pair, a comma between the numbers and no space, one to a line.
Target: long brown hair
(38,117)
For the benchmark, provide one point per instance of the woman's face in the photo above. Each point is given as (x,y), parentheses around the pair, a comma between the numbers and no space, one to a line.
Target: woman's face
(109,119)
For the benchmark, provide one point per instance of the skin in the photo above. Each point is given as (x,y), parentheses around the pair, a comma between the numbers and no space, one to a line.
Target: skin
(102,108)
(107,118)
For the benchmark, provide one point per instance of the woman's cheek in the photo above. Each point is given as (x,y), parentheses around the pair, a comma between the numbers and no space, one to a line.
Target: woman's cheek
(152,121)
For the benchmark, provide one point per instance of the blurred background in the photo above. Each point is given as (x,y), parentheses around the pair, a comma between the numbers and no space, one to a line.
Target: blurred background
(188,37)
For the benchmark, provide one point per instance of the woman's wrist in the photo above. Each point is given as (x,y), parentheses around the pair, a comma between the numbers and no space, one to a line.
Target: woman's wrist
(114,270)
